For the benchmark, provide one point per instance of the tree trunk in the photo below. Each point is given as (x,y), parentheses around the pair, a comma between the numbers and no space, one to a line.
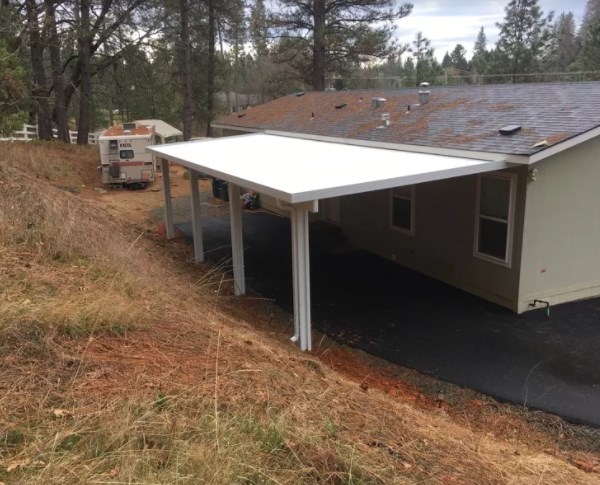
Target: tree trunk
(210,71)
(228,86)
(39,90)
(318,64)
(85,88)
(60,111)
(186,69)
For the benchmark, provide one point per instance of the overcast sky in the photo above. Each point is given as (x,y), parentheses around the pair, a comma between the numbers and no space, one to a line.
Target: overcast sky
(450,22)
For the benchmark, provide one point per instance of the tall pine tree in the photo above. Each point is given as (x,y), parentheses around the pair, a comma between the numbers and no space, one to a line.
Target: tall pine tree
(481,56)
(524,35)
(326,36)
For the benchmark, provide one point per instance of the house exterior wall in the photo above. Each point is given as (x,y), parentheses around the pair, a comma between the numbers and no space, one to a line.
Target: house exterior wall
(561,240)
(443,243)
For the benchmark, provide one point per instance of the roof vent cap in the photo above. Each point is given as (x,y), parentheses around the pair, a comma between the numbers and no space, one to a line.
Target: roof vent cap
(377,102)
(509,129)
(424,93)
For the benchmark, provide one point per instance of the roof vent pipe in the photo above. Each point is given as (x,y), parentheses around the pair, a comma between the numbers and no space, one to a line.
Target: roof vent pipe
(424,93)
(377,102)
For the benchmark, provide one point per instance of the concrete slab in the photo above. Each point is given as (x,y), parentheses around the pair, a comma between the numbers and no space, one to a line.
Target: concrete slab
(551,364)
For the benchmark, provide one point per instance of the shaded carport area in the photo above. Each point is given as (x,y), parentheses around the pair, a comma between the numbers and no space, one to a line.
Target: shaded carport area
(549,363)
(364,300)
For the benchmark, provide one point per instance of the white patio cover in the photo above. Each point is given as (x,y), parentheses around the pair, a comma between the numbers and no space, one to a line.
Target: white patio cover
(298,171)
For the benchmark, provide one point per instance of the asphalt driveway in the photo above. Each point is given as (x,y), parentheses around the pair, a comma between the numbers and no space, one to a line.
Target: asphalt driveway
(551,363)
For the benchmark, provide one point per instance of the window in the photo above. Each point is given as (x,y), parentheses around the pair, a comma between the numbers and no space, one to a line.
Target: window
(495,215)
(402,210)
(126,154)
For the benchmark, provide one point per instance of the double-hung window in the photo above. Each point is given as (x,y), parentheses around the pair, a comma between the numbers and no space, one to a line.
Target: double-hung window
(496,195)
(402,210)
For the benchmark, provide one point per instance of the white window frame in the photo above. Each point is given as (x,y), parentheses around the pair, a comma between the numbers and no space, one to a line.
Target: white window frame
(403,230)
(512,200)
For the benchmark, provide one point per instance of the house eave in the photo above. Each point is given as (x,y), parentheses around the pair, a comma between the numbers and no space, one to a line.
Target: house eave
(565,145)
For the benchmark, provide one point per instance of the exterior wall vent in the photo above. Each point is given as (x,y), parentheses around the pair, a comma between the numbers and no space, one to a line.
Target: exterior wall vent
(377,102)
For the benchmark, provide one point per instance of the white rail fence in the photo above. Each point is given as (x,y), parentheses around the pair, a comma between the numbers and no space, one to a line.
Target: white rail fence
(29,132)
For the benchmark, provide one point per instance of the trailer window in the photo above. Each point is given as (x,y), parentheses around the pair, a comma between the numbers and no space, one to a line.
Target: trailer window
(126,154)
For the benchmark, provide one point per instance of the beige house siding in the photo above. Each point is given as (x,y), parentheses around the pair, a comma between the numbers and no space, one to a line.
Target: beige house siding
(561,241)
(442,246)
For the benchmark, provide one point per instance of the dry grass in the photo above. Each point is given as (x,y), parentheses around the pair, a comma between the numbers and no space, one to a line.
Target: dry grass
(121,362)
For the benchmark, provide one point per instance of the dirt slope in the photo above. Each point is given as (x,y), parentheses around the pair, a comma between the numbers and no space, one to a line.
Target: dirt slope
(123,362)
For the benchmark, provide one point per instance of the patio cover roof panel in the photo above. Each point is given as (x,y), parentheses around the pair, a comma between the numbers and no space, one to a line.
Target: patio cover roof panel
(299,170)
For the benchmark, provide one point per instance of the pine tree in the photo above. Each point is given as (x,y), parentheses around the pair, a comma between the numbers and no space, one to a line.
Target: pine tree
(590,54)
(14,90)
(591,15)
(481,56)
(321,36)
(259,28)
(446,61)
(589,36)
(426,66)
(524,35)
(458,59)
(564,47)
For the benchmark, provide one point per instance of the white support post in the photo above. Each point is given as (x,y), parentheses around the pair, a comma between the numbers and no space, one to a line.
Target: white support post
(169,226)
(302,275)
(196,221)
(296,297)
(237,241)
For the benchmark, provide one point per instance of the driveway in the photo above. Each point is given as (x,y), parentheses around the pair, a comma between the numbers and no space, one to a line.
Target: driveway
(367,302)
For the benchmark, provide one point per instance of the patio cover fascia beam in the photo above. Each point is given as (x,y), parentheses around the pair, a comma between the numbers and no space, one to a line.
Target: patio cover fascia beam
(456,167)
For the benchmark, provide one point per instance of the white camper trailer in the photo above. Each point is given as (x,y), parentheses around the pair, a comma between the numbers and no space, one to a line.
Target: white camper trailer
(123,156)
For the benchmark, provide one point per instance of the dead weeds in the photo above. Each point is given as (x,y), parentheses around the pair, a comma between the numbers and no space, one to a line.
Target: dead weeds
(201,387)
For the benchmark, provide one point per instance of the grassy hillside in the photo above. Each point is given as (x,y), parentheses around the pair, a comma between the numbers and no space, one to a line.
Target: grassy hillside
(123,362)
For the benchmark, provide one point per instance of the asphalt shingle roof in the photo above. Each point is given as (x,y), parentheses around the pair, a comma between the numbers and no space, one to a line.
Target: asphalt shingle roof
(464,117)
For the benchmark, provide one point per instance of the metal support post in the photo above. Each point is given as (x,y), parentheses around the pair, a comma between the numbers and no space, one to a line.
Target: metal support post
(196,219)
(302,315)
(169,225)
(237,242)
